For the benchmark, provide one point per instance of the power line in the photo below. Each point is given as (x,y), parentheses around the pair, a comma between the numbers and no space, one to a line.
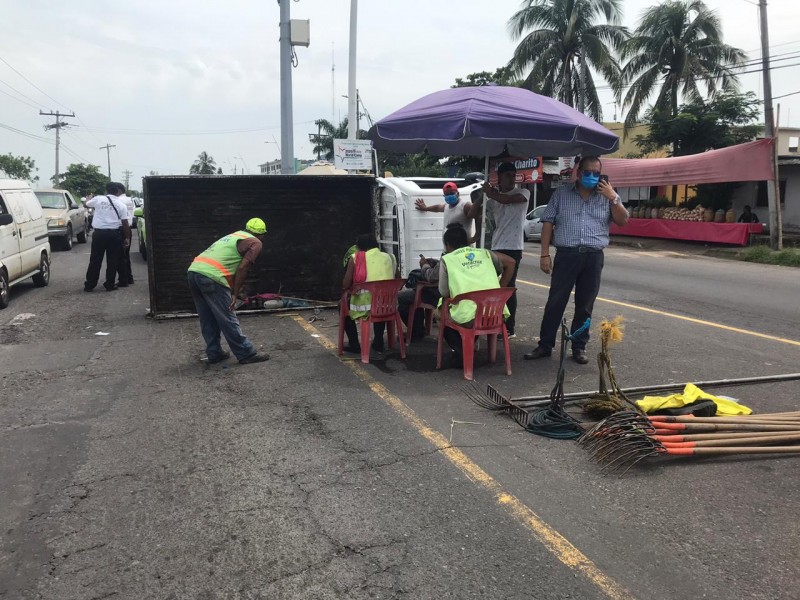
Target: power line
(33,136)
(58,125)
(786,95)
(17,99)
(30,82)
(13,89)
(124,131)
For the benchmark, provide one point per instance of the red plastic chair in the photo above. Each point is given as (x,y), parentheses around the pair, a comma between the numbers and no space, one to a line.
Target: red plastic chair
(488,321)
(418,303)
(383,308)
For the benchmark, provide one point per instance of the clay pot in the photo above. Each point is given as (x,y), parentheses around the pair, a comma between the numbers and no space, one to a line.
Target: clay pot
(654,213)
(730,216)
(719,216)
(662,212)
(708,215)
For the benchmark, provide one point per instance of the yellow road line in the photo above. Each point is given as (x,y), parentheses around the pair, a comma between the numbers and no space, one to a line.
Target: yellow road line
(551,539)
(681,317)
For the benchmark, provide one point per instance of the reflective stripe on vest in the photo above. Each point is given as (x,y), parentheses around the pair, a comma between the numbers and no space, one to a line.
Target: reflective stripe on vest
(220,261)
(469,270)
(379,267)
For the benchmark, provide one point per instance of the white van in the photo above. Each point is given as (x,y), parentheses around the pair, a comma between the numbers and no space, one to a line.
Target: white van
(405,231)
(24,245)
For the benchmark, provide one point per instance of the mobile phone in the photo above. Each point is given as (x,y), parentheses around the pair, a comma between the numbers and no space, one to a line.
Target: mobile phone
(604,178)
(422,256)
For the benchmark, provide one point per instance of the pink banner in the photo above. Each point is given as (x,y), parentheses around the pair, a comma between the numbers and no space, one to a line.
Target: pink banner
(746,162)
(720,233)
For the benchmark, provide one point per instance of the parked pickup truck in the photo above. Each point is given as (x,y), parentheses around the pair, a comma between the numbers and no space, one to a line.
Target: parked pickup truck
(65,217)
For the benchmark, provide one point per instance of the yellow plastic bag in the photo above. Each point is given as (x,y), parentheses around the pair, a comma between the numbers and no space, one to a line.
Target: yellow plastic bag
(692,393)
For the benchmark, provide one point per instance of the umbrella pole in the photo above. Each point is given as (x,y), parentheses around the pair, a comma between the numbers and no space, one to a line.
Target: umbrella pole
(483,215)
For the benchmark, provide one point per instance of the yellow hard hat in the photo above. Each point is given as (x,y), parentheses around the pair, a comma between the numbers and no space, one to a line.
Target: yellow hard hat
(256,226)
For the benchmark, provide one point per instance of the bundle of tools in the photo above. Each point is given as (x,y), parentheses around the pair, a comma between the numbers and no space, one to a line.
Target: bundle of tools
(625,438)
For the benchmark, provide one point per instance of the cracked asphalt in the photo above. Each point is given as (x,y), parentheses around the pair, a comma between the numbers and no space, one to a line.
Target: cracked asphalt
(132,470)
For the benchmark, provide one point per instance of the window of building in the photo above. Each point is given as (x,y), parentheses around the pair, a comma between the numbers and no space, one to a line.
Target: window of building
(632,196)
(761,194)
(793,143)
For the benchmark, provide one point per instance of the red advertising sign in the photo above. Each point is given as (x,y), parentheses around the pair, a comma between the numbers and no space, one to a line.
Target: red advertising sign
(529,170)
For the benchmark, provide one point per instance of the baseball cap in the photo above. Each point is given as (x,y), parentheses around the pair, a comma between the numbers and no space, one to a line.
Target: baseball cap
(450,187)
(256,226)
(506,167)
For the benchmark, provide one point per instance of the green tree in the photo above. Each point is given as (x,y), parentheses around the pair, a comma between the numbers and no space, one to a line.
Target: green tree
(204,165)
(561,41)
(323,140)
(82,179)
(421,164)
(19,167)
(726,120)
(676,48)
(501,76)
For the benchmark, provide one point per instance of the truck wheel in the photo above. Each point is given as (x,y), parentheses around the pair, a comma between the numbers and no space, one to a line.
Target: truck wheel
(67,240)
(82,235)
(42,278)
(4,293)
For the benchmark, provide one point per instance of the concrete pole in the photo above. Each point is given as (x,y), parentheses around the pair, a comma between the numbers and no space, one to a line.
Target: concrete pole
(773,187)
(287,120)
(58,143)
(352,93)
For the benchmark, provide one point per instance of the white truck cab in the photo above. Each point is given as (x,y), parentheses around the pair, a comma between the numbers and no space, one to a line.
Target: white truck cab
(405,231)
(24,245)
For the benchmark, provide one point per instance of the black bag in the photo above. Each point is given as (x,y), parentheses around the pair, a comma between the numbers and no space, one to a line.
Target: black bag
(698,408)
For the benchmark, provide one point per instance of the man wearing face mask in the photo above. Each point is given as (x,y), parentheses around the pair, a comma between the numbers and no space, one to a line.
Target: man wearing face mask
(456,210)
(576,220)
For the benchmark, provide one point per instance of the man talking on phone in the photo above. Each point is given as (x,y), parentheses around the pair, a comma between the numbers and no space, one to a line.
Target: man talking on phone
(576,222)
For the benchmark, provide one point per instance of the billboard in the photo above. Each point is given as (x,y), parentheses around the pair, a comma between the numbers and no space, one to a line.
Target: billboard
(352,155)
(529,170)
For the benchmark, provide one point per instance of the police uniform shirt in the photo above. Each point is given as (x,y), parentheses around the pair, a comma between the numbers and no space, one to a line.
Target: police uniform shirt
(104,215)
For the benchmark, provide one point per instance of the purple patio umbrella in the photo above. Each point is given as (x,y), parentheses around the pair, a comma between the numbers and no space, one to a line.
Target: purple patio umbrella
(488,120)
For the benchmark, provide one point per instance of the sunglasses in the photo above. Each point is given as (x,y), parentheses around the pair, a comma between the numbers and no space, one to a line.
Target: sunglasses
(594,173)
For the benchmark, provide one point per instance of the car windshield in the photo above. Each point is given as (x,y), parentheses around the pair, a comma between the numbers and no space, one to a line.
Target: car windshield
(51,200)
(539,211)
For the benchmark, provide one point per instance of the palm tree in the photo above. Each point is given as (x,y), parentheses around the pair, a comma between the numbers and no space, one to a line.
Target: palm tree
(560,41)
(677,45)
(204,165)
(323,141)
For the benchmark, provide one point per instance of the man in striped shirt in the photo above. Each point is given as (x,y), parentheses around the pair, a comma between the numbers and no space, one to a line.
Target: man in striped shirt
(576,221)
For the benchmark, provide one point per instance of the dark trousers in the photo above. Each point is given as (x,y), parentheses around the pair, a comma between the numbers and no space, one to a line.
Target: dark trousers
(351,331)
(108,243)
(580,270)
(125,271)
(512,302)
(404,301)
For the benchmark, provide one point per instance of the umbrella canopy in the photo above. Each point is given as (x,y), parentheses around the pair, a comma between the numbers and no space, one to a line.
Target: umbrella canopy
(322,168)
(488,120)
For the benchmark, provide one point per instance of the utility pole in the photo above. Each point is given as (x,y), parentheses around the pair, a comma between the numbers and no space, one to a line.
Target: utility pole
(352,93)
(108,148)
(127,175)
(773,187)
(287,119)
(57,126)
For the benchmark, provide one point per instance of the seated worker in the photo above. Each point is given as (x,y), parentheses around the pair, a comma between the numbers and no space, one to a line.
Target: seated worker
(748,216)
(466,269)
(368,263)
(428,273)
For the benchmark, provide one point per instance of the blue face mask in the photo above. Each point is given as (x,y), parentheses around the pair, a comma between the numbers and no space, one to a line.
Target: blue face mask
(590,181)
(451,199)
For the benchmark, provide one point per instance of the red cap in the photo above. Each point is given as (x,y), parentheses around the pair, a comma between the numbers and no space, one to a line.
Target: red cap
(450,187)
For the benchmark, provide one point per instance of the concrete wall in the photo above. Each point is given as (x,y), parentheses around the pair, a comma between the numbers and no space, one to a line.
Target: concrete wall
(748,194)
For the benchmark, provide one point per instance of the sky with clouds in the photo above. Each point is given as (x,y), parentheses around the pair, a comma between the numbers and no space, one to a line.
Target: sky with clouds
(165,80)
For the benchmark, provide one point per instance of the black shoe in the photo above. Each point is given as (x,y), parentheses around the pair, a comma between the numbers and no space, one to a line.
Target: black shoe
(86,288)
(378,347)
(120,284)
(579,356)
(537,352)
(219,358)
(350,349)
(254,358)
(130,281)
(109,288)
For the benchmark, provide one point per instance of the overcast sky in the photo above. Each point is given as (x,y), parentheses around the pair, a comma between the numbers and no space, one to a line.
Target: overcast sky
(165,80)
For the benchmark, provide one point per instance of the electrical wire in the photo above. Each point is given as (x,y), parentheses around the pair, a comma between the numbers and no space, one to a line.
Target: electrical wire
(33,84)
(33,136)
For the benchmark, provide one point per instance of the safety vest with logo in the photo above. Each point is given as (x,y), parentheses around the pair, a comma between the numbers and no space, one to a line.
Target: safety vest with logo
(380,266)
(469,270)
(220,261)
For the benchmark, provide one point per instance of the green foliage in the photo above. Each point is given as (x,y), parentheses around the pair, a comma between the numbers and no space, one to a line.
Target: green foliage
(788,257)
(726,120)
(19,167)
(716,195)
(204,165)
(323,141)
(411,165)
(561,42)
(501,76)
(676,48)
(82,180)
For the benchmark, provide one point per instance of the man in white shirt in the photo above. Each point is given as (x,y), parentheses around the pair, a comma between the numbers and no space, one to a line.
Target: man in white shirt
(125,271)
(508,205)
(111,234)
(455,209)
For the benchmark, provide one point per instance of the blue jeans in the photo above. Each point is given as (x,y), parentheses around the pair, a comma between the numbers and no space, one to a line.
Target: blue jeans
(213,302)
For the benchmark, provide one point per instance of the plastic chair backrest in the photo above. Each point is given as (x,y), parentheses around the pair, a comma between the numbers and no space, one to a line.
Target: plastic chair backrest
(384,295)
(489,306)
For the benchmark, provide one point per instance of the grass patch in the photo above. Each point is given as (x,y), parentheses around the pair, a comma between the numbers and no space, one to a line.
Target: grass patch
(788,257)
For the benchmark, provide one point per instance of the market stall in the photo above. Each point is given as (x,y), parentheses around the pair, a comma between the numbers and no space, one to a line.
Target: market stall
(718,233)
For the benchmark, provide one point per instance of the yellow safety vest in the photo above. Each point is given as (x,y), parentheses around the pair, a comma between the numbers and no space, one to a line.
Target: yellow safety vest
(220,261)
(379,268)
(469,270)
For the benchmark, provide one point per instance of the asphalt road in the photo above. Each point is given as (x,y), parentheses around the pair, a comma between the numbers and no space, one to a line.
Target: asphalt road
(132,470)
